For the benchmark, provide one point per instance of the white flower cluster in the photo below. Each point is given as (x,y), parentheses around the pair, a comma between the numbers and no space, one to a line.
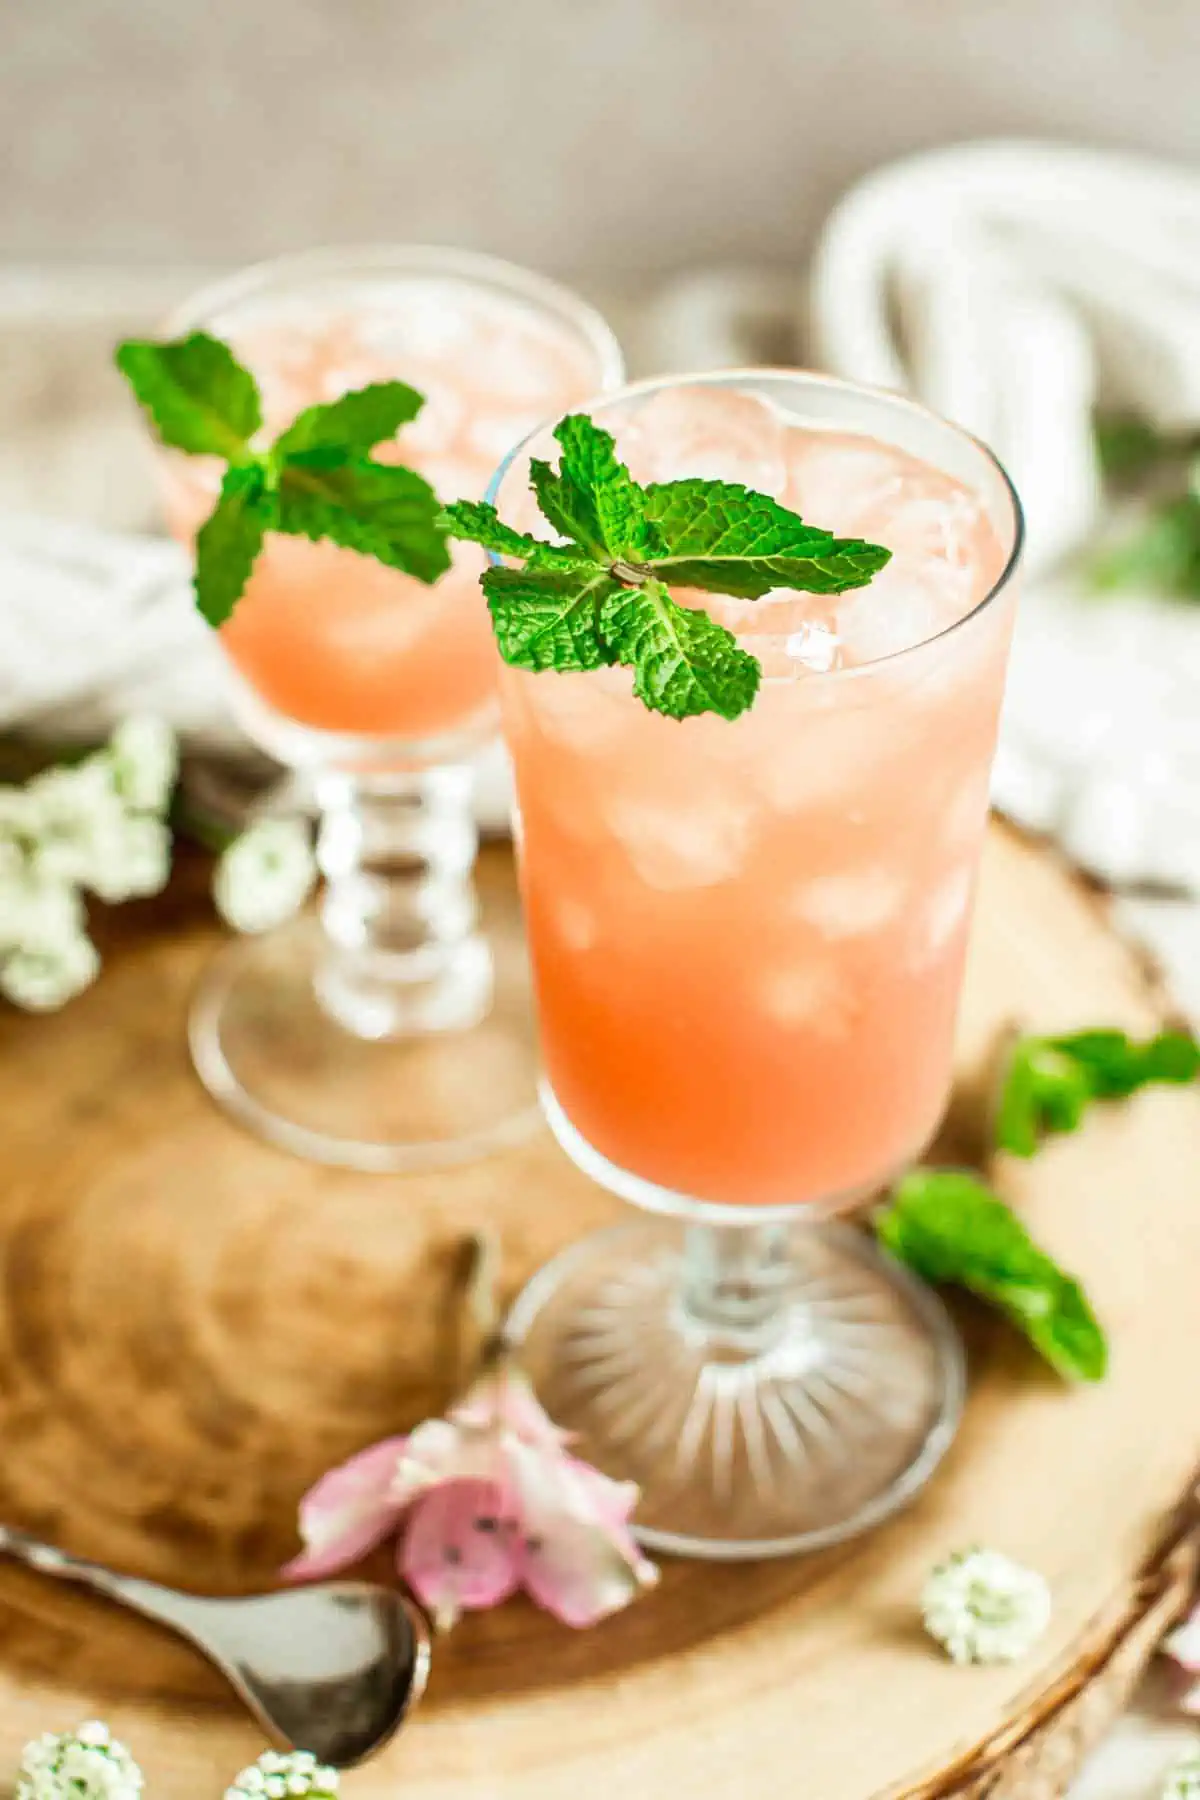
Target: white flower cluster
(983,1607)
(1183,1779)
(275,1776)
(97,826)
(87,1764)
(265,875)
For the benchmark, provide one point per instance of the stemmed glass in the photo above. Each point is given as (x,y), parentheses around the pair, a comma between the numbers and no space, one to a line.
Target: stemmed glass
(391,1032)
(748,941)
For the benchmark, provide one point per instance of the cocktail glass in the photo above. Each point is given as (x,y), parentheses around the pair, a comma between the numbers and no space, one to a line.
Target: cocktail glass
(748,941)
(387,1035)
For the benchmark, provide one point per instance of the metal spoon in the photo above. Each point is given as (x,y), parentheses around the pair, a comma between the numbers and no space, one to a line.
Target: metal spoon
(332,1668)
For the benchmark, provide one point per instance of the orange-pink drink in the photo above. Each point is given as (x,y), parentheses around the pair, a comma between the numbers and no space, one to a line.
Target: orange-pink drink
(748,936)
(328,638)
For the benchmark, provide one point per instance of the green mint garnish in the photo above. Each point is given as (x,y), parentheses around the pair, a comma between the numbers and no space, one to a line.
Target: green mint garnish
(950,1229)
(602,597)
(318,479)
(1049,1082)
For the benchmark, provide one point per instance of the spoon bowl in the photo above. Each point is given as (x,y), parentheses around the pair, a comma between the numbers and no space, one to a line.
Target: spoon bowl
(334,1668)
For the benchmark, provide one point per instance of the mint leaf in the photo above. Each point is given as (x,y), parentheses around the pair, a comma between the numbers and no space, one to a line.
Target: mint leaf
(612,603)
(1049,1082)
(356,421)
(197,394)
(950,1229)
(480,523)
(1161,554)
(683,662)
(548,618)
(719,535)
(379,509)
(317,480)
(229,541)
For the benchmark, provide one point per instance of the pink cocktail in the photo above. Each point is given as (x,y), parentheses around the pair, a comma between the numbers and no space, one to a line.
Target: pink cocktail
(748,942)
(381,689)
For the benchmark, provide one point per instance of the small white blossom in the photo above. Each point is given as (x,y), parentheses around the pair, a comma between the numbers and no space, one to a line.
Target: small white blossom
(35,913)
(17,813)
(276,1775)
(78,822)
(132,861)
(87,1764)
(983,1607)
(43,980)
(265,876)
(145,761)
(1183,1778)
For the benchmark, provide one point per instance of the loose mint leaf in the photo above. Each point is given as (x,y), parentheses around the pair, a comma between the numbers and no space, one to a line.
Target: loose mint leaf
(482,524)
(230,540)
(379,509)
(684,662)
(354,422)
(951,1229)
(1130,449)
(549,618)
(1161,554)
(1049,1082)
(197,394)
(722,536)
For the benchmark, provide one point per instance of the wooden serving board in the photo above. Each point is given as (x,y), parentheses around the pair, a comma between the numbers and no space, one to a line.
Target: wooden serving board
(193,1326)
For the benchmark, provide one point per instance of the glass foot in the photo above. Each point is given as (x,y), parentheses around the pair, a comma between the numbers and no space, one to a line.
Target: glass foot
(279,1062)
(752,1430)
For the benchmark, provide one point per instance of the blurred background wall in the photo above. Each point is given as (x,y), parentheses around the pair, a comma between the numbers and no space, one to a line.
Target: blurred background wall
(611,138)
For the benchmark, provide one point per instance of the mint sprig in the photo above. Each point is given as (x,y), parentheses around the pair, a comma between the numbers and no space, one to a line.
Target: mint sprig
(602,596)
(949,1228)
(318,480)
(1048,1083)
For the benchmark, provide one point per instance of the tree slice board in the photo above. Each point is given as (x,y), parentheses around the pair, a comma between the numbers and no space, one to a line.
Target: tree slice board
(194,1325)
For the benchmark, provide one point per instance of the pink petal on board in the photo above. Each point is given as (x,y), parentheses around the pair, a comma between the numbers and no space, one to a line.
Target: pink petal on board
(577,1557)
(503,1398)
(348,1512)
(459,1551)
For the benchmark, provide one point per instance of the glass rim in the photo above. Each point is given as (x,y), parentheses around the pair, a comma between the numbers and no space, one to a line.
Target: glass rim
(468,266)
(811,378)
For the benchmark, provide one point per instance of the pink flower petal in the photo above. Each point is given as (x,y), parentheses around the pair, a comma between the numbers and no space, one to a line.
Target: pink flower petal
(577,1557)
(460,1551)
(348,1512)
(504,1398)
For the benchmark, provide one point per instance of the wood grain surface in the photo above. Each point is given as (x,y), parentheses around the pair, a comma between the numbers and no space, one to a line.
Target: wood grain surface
(193,1326)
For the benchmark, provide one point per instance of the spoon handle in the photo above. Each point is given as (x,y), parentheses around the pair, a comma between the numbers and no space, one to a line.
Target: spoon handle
(145,1596)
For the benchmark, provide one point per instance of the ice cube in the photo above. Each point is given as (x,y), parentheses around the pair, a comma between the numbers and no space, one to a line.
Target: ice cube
(437,425)
(814,645)
(710,432)
(692,845)
(902,607)
(491,435)
(807,995)
(943,914)
(835,478)
(966,810)
(577,711)
(455,477)
(415,319)
(850,904)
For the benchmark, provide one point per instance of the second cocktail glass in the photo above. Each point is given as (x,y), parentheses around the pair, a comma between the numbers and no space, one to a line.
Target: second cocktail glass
(386,1036)
(748,941)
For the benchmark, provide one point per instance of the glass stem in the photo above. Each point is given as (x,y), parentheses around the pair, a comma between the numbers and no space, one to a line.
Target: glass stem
(404,955)
(735,1278)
